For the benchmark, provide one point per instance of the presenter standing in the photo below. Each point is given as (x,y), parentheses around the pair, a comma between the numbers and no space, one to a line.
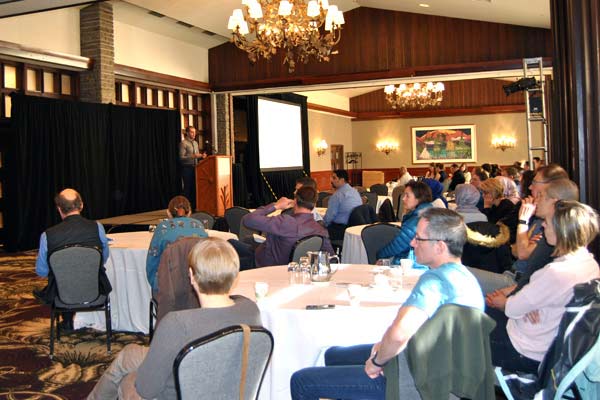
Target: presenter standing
(189,155)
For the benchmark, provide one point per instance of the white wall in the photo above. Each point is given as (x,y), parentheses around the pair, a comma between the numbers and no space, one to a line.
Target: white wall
(56,30)
(334,129)
(147,50)
(365,135)
(328,98)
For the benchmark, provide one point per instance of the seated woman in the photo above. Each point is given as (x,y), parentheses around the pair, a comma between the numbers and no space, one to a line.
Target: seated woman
(510,189)
(178,225)
(498,208)
(147,372)
(531,317)
(416,197)
(466,198)
(437,193)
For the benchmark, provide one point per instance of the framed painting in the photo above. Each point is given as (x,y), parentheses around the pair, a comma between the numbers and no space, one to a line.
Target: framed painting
(455,143)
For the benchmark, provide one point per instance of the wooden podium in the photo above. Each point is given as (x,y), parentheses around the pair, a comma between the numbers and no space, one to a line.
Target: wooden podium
(214,185)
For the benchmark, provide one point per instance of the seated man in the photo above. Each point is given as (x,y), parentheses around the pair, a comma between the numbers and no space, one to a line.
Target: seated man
(177,226)
(282,230)
(308,181)
(147,372)
(438,243)
(340,205)
(74,229)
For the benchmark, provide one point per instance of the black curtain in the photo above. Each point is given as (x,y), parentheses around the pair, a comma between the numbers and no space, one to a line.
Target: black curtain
(122,160)
(282,182)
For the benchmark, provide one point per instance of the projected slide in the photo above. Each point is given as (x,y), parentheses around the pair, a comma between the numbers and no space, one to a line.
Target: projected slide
(279,135)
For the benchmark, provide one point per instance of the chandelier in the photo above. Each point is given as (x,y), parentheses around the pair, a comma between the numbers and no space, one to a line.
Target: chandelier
(302,31)
(417,95)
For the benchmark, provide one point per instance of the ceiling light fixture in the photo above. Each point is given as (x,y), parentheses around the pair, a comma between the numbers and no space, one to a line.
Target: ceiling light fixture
(301,30)
(416,95)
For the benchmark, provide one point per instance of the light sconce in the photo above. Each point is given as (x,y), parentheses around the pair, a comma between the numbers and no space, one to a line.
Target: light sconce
(504,142)
(386,147)
(321,147)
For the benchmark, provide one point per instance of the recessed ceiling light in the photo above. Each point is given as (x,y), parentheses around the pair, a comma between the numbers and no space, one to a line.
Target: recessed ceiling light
(423,5)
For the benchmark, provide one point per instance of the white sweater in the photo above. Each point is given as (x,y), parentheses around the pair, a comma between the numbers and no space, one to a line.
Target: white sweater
(548,291)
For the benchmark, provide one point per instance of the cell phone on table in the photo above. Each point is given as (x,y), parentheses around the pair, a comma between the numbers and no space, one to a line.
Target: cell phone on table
(320,306)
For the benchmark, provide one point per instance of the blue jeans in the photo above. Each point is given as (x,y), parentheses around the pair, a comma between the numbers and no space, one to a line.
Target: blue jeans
(343,378)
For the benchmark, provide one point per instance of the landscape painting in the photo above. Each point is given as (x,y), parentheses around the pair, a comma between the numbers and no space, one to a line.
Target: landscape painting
(444,144)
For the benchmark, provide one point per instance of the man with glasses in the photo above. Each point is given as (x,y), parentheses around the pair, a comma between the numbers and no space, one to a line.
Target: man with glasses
(357,372)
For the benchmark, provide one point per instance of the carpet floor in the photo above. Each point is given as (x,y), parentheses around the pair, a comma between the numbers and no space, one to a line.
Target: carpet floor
(26,371)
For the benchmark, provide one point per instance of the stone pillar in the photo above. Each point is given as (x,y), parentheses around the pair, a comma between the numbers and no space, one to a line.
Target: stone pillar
(224,123)
(575,130)
(97,42)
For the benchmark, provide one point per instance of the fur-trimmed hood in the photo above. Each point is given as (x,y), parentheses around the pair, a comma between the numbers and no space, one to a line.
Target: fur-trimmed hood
(487,234)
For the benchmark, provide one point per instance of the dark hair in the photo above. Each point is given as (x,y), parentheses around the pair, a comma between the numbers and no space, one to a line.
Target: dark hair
(526,179)
(447,226)
(306,181)
(421,190)
(342,174)
(486,167)
(512,172)
(188,128)
(306,197)
(68,205)
(481,174)
(179,206)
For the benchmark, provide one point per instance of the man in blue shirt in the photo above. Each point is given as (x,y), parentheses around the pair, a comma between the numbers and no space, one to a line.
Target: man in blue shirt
(357,372)
(74,229)
(341,204)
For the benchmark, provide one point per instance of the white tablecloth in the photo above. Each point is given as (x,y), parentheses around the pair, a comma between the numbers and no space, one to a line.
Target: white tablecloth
(353,250)
(301,336)
(126,270)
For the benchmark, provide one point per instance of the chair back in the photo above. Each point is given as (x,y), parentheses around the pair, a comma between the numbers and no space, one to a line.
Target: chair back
(371,199)
(211,367)
(325,201)
(376,237)
(76,272)
(320,198)
(487,247)
(380,189)
(396,194)
(362,215)
(449,354)
(175,292)
(234,216)
(386,212)
(304,245)
(204,216)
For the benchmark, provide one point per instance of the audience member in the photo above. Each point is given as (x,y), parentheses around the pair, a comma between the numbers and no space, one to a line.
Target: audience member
(529,323)
(357,372)
(498,208)
(74,229)
(466,173)
(178,225)
(487,168)
(466,198)
(308,181)
(510,190)
(283,230)
(526,180)
(147,372)
(441,171)
(457,177)
(416,197)
(437,193)
(405,176)
(537,163)
(340,205)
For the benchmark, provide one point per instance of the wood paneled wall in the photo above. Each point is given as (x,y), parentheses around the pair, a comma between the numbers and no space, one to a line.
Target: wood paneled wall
(386,44)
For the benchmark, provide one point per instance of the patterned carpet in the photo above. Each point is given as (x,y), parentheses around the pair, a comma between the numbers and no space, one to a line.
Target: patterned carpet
(26,371)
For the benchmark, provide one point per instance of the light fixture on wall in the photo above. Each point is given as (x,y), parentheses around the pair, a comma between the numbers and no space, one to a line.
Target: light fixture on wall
(386,147)
(416,95)
(504,142)
(290,25)
(321,147)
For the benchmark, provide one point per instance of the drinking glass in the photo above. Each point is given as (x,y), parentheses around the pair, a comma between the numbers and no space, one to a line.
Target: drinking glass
(294,273)
(205,223)
(305,269)
(260,290)
(354,292)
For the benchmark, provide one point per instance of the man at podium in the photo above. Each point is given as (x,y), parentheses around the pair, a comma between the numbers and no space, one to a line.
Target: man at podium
(189,155)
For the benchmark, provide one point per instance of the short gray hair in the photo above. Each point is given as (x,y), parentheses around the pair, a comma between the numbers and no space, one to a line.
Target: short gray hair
(447,226)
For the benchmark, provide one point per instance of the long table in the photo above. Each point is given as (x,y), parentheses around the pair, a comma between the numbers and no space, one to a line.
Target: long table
(126,270)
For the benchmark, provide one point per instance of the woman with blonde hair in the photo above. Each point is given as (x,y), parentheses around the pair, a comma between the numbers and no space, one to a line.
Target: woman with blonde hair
(147,372)
(531,317)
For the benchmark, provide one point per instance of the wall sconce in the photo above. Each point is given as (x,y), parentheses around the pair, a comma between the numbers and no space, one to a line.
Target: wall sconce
(386,147)
(321,147)
(504,142)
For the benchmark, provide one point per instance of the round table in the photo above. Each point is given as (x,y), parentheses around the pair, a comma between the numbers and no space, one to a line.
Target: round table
(301,335)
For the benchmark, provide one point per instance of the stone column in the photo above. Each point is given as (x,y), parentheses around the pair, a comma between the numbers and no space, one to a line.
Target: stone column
(224,123)
(97,42)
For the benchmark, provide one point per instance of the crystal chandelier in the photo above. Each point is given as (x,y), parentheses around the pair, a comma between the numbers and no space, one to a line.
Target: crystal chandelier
(301,30)
(417,95)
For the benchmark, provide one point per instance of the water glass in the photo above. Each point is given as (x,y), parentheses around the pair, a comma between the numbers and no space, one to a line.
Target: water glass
(294,273)
(151,228)
(205,223)
(305,269)
(383,262)
(260,290)
(406,264)
(354,292)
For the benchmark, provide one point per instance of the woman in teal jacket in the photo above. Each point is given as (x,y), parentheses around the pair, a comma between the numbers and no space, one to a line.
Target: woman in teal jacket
(416,197)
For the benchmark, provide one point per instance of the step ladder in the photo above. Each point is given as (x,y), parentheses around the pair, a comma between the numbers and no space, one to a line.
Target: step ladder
(538,94)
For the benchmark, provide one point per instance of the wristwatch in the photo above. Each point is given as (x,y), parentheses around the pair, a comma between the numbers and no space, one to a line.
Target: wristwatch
(375,363)
(523,222)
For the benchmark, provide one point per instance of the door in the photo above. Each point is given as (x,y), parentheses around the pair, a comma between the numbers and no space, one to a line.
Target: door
(337,156)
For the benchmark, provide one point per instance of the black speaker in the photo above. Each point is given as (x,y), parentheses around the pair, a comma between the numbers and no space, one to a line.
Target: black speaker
(535,105)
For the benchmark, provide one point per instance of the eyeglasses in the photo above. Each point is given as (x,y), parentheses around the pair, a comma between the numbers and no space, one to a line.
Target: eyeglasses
(540,182)
(419,239)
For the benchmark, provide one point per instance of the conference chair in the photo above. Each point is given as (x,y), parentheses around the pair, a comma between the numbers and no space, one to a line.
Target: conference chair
(371,199)
(304,245)
(320,198)
(379,188)
(386,212)
(234,216)
(375,237)
(397,193)
(362,215)
(227,364)
(325,201)
(76,271)
(447,358)
(204,216)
